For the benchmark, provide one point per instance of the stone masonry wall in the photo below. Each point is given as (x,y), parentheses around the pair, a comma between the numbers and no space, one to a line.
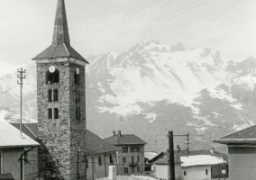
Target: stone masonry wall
(61,138)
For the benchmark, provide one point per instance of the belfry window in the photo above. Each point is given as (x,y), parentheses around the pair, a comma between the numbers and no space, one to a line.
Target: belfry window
(56,113)
(52,77)
(78,113)
(49,95)
(55,95)
(49,113)
(77,76)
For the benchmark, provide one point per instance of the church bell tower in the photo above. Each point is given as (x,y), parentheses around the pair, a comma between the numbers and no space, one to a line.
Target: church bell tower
(61,101)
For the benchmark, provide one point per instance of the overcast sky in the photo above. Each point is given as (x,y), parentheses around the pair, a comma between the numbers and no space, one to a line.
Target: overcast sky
(100,26)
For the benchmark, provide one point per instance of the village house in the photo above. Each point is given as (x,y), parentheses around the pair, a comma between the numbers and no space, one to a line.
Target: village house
(195,165)
(130,153)
(160,167)
(241,152)
(18,154)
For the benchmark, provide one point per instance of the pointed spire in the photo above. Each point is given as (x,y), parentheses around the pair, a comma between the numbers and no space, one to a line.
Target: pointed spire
(61,32)
(60,46)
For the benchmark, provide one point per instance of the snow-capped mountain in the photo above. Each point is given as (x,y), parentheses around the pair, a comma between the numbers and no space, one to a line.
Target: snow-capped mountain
(152,88)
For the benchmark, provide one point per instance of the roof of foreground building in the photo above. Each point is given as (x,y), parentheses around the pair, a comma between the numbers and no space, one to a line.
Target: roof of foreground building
(244,136)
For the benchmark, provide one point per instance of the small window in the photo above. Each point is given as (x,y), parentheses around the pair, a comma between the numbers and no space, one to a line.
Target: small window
(124,159)
(56,113)
(126,170)
(49,95)
(77,79)
(138,158)
(185,173)
(52,78)
(99,161)
(111,159)
(206,172)
(132,159)
(78,113)
(49,113)
(125,149)
(135,149)
(55,95)
(138,169)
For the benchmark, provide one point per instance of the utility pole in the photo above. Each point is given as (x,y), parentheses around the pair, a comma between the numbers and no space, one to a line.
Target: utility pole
(171,156)
(21,75)
(187,140)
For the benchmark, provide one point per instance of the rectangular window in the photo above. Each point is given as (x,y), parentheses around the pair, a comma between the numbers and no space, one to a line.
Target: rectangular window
(138,158)
(135,149)
(78,113)
(49,95)
(77,78)
(126,170)
(111,159)
(132,159)
(55,95)
(124,160)
(99,161)
(125,149)
(56,113)
(49,113)
(138,169)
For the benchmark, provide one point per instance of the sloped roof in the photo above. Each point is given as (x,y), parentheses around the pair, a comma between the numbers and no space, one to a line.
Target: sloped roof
(60,46)
(245,136)
(200,160)
(11,137)
(195,158)
(29,129)
(94,144)
(125,139)
(164,159)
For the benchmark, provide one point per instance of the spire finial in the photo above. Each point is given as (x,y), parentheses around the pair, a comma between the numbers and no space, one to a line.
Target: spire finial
(61,32)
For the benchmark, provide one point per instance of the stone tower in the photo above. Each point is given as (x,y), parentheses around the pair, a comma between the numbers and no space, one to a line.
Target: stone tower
(61,104)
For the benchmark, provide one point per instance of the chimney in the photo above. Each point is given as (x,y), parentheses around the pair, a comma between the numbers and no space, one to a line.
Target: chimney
(119,133)
(114,133)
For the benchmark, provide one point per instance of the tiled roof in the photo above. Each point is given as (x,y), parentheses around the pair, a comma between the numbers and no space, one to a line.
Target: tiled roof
(60,47)
(125,139)
(245,136)
(94,144)
(11,137)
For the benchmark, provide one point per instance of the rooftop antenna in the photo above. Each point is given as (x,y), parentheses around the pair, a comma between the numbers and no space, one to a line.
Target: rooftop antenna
(21,75)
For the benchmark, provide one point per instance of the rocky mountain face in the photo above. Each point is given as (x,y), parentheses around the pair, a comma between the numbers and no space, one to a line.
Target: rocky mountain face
(152,88)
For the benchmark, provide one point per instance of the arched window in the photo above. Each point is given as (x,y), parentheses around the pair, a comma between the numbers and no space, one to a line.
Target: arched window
(52,77)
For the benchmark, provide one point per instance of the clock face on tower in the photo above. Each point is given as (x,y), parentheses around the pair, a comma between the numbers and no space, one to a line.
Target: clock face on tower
(52,69)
